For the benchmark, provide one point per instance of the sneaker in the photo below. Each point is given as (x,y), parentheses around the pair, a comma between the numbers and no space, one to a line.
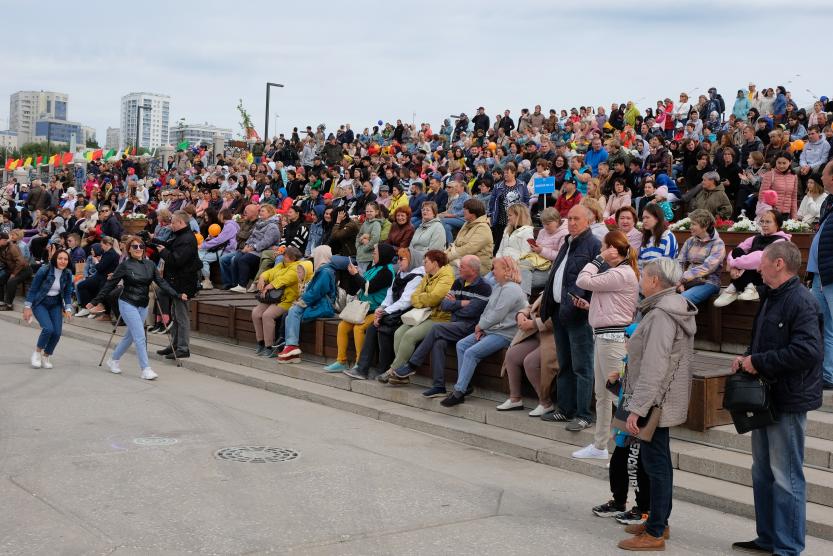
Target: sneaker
(608,509)
(45,362)
(289,351)
(148,374)
(207,285)
(750,293)
(750,547)
(384,377)
(453,399)
(356,373)
(540,410)
(83,312)
(182,354)
(578,424)
(113,365)
(290,359)
(5,307)
(634,516)
(238,289)
(555,416)
(728,296)
(337,367)
(643,543)
(591,452)
(435,392)
(395,380)
(158,328)
(639,529)
(252,288)
(404,371)
(509,405)
(164,351)
(36,360)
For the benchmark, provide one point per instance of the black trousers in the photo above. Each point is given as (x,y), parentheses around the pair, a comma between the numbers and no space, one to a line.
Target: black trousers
(748,277)
(8,285)
(626,471)
(376,342)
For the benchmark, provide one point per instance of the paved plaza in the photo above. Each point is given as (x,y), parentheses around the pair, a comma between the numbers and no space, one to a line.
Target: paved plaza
(94,463)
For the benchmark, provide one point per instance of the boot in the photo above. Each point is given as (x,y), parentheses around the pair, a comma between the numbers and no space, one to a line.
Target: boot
(643,542)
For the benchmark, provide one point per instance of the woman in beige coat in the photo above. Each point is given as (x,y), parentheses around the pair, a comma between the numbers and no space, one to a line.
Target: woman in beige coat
(532,351)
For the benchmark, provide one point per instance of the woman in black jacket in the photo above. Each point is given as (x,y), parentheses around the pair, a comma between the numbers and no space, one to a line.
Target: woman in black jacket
(136,273)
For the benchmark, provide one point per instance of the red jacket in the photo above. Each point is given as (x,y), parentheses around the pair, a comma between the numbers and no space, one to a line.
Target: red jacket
(563,204)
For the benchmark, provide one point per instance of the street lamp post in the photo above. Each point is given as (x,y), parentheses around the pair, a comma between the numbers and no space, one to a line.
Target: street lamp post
(139,109)
(266,126)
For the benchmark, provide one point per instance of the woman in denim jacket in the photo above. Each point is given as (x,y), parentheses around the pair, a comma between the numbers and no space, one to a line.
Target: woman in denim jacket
(50,300)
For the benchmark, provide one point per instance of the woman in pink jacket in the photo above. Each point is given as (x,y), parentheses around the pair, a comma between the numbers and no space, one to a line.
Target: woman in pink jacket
(613,279)
(781,180)
(621,197)
(534,271)
(745,259)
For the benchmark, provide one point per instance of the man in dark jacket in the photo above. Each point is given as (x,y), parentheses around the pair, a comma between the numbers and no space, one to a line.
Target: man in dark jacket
(16,271)
(566,304)
(182,266)
(465,301)
(787,350)
(481,120)
(820,266)
(110,225)
(332,152)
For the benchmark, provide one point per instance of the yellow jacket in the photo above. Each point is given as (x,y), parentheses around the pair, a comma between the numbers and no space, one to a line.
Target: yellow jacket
(396,202)
(431,291)
(284,275)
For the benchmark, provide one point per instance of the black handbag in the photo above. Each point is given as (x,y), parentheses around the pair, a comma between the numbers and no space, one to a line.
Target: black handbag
(390,322)
(745,392)
(271,297)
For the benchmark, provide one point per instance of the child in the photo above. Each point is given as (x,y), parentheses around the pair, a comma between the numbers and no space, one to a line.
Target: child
(661,199)
(766,202)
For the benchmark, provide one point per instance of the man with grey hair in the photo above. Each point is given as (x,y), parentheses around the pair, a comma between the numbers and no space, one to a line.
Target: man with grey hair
(572,331)
(787,351)
(465,301)
(182,271)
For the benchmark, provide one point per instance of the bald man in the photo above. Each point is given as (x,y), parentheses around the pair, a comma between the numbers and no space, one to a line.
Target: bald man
(247,224)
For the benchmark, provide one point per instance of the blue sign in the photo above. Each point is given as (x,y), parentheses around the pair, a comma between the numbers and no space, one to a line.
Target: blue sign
(544,185)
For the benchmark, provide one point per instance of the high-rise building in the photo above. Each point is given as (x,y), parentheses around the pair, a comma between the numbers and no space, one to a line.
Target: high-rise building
(151,120)
(113,138)
(198,134)
(8,141)
(27,107)
(58,131)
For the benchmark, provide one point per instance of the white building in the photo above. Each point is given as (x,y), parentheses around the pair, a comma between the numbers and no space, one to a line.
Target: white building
(152,119)
(113,138)
(88,133)
(197,134)
(8,141)
(27,107)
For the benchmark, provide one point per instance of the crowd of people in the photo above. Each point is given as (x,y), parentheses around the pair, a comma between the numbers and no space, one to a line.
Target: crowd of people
(424,239)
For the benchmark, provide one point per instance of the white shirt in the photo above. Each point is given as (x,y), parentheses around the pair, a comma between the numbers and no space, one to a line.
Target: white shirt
(559,274)
(55,288)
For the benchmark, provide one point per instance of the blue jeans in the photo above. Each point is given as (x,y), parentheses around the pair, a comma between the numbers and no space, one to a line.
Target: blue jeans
(470,352)
(134,318)
(825,299)
(49,313)
(451,224)
(656,460)
(292,325)
(226,266)
(574,348)
(778,484)
(699,294)
(207,258)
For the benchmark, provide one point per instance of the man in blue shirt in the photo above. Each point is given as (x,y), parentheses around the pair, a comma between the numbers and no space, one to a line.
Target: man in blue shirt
(595,155)
(820,263)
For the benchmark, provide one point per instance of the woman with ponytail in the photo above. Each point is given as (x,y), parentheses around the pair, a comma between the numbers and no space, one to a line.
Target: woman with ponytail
(613,277)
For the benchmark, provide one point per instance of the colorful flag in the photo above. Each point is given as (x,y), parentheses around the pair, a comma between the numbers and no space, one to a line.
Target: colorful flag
(58,158)
(28,162)
(88,156)
(67,158)
(110,153)
(16,163)
(250,158)
(9,164)
(97,154)
(127,151)
(40,159)
(182,146)
(52,159)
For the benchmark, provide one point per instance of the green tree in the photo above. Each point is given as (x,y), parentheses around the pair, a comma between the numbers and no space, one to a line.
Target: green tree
(92,144)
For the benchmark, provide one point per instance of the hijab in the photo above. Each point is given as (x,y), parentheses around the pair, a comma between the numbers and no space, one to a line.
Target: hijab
(387,252)
(321,255)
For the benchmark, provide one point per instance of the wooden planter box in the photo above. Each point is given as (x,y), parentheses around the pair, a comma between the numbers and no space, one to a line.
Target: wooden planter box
(132,226)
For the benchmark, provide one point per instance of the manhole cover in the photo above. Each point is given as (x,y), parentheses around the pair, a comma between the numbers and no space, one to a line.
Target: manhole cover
(257,454)
(154,441)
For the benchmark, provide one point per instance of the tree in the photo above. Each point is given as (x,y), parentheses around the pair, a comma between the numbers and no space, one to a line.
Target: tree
(246,122)
(92,144)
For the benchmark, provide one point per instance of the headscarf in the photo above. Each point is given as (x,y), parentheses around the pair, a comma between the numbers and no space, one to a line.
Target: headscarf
(321,255)
(387,252)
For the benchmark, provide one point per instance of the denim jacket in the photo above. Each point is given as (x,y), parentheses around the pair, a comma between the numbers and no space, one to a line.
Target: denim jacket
(43,281)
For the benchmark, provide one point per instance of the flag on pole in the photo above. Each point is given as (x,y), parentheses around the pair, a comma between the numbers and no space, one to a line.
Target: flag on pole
(67,158)
(182,146)
(52,159)
(97,154)
(88,156)
(39,160)
(110,153)
(118,154)
(250,158)
(28,162)
(16,163)
(9,164)
(58,158)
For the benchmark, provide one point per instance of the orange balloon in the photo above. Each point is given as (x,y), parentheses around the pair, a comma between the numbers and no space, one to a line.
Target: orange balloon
(214,230)
(493,146)
(199,239)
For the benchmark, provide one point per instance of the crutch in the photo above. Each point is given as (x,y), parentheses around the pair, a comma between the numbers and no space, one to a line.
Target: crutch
(110,341)
(168,332)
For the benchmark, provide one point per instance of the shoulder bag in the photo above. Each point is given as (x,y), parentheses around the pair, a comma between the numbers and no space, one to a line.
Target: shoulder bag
(648,424)
(748,398)
(416,316)
(271,297)
(356,310)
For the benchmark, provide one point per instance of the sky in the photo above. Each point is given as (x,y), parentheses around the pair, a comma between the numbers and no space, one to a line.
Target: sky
(362,61)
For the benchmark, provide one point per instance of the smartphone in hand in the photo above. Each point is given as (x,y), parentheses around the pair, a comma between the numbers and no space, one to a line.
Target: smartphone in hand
(532,242)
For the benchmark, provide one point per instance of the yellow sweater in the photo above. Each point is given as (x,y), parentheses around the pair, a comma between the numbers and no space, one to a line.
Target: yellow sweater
(284,275)
(431,291)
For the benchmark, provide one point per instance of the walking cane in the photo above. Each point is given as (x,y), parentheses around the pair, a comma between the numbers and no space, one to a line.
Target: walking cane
(168,332)
(110,341)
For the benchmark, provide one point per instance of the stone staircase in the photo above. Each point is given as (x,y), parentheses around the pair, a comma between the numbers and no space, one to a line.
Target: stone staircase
(712,468)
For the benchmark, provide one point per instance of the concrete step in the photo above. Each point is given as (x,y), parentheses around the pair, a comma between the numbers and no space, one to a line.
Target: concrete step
(827,405)
(699,470)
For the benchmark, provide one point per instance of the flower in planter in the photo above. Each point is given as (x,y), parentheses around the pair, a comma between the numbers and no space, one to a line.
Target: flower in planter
(796,226)
(136,216)
(723,224)
(683,225)
(744,224)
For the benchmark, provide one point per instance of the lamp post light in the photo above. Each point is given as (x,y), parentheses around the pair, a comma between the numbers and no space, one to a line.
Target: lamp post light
(266,126)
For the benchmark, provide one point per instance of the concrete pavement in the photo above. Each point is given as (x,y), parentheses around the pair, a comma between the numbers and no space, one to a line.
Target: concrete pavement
(94,463)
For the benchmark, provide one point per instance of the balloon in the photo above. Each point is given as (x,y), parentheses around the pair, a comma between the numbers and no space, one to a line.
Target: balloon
(172,182)
(214,230)
(131,171)
(797,145)
(199,239)
(493,146)
(380,122)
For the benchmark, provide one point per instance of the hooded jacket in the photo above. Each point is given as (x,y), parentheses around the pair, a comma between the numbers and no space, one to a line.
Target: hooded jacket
(474,238)
(428,235)
(715,201)
(515,245)
(747,255)
(373,229)
(659,358)
(227,238)
(265,234)
(284,275)
(431,291)
(500,313)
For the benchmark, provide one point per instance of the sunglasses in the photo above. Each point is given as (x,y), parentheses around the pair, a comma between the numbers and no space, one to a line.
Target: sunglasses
(137,246)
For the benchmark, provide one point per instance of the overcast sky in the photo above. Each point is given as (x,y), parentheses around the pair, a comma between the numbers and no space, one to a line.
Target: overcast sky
(360,61)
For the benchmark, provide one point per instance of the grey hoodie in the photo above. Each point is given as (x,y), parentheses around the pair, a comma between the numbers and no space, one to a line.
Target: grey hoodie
(499,316)
(659,358)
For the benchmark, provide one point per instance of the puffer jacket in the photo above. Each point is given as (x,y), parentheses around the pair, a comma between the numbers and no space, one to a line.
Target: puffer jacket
(428,235)
(319,294)
(615,294)
(227,236)
(474,238)
(659,358)
(284,275)
(747,255)
(515,245)
(787,346)
(42,282)
(786,185)
(136,277)
(265,234)
(364,251)
(431,291)
(702,260)
(715,201)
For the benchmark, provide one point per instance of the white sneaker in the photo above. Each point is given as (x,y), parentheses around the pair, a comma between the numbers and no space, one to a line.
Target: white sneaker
(207,285)
(509,405)
(539,410)
(728,296)
(590,452)
(238,289)
(36,360)
(148,374)
(749,294)
(252,288)
(45,362)
(113,365)
(83,312)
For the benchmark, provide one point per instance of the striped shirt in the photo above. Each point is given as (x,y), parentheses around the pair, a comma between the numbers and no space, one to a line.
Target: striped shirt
(667,248)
